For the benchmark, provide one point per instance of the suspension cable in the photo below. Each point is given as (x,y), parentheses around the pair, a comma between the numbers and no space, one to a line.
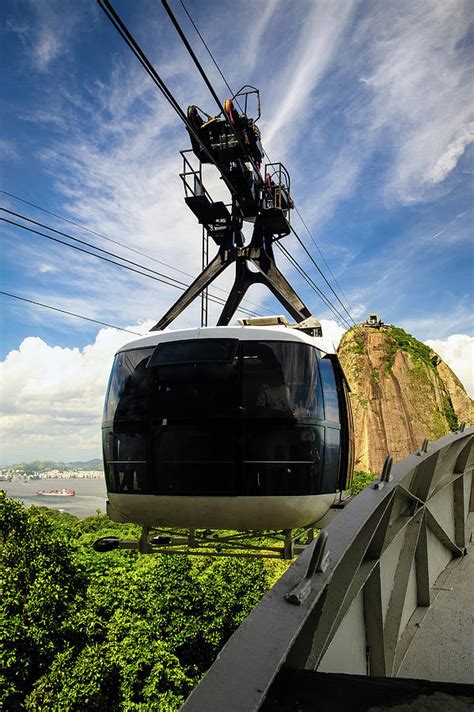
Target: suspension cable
(175,283)
(115,242)
(313,285)
(203,74)
(64,311)
(320,271)
(210,54)
(126,35)
(324,259)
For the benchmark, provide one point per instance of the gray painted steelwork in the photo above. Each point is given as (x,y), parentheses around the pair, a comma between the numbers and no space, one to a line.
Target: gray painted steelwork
(376,570)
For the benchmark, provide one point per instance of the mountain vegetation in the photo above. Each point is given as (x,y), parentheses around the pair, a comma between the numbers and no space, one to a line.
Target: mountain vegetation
(401,393)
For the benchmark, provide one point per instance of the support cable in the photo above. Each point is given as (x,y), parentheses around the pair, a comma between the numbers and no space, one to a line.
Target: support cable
(351,309)
(320,271)
(343,321)
(207,82)
(63,311)
(210,53)
(109,239)
(93,232)
(131,42)
(89,244)
(126,35)
(176,283)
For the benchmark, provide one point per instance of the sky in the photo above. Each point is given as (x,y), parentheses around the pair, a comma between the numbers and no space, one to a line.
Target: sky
(369,105)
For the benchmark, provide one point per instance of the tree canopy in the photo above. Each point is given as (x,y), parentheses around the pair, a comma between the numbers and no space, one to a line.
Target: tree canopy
(115,631)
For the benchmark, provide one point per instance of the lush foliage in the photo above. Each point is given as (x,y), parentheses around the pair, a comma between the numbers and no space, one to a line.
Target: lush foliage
(361,480)
(399,339)
(114,631)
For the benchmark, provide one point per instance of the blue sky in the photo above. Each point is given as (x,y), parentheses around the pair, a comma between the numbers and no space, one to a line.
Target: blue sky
(368,104)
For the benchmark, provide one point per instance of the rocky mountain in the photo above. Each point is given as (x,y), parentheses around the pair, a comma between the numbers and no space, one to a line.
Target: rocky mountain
(402,392)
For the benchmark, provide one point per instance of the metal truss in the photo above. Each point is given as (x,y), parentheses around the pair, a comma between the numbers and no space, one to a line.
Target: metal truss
(271,545)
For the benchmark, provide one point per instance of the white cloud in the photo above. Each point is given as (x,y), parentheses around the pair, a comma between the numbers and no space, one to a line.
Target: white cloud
(413,103)
(49,33)
(255,35)
(358,310)
(44,268)
(454,151)
(458,352)
(8,151)
(52,397)
(331,337)
(47,48)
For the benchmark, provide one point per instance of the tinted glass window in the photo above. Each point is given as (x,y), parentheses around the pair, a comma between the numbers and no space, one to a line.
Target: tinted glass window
(331,401)
(128,385)
(194,351)
(125,456)
(195,390)
(332,452)
(279,380)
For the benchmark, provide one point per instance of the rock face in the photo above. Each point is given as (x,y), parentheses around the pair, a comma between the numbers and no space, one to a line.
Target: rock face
(402,392)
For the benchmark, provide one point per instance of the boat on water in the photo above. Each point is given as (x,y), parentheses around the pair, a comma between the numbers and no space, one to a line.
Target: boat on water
(56,493)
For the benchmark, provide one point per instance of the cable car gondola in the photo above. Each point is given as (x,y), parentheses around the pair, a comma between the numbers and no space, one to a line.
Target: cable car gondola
(241,427)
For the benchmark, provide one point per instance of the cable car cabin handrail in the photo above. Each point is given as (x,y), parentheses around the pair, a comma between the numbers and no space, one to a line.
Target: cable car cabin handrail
(280,170)
(196,173)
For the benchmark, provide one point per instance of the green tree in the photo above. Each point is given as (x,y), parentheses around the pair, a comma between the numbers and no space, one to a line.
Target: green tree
(40,583)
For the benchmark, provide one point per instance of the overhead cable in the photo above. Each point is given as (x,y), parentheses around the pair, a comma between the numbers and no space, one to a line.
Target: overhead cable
(210,53)
(313,285)
(89,244)
(208,83)
(320,271)
(127,36)
(64,311)
(323,257)
(109,239)
(175,283)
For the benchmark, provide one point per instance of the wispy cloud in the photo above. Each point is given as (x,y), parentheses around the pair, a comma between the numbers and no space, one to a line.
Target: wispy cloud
(448,161)
(50,28)
(256,33)
(418,68)
(8,150)
(322,29)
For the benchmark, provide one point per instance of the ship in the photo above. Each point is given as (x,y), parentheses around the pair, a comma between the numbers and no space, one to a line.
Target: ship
(56,493)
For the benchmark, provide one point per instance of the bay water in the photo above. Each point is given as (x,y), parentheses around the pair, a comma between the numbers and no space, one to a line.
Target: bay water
(90,494)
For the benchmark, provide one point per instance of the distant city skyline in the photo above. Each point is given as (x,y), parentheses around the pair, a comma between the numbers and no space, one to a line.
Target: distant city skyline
(369,105)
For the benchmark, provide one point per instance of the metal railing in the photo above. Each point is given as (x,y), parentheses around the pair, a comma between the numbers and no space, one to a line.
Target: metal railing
(353,601)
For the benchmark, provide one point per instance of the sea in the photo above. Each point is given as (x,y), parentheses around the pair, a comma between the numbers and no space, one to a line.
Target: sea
(89,498)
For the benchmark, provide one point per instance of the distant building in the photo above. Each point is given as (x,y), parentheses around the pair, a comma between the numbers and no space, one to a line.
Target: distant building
(374,321)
